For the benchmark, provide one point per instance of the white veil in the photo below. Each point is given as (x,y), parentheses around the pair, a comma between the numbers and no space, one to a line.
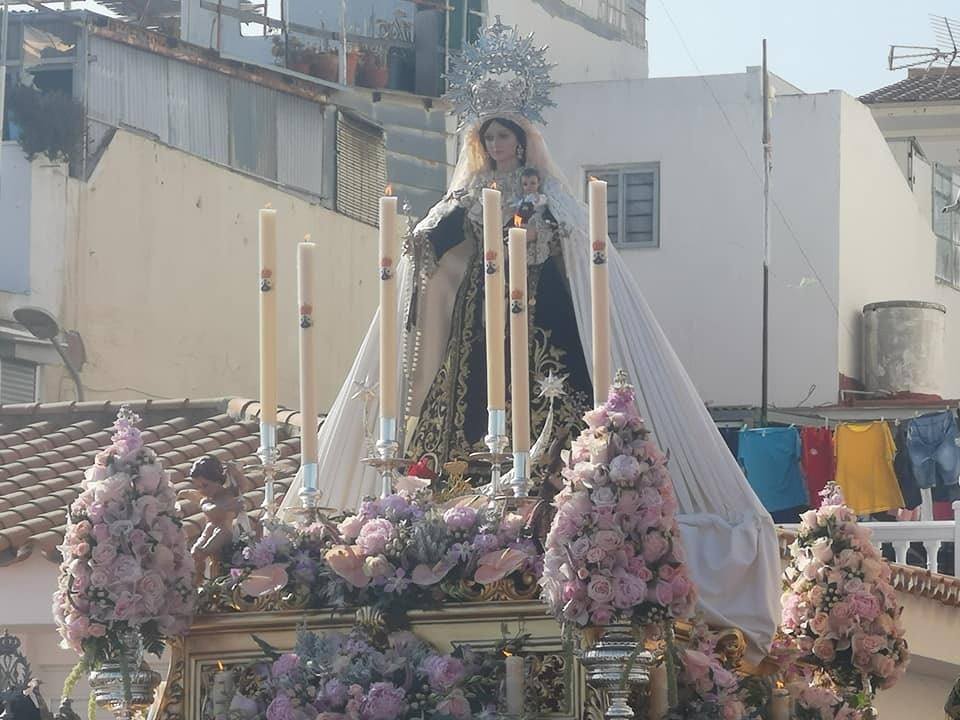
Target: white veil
(730,540)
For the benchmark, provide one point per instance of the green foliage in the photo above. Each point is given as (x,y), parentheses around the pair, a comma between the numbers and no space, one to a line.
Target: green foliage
(51,123)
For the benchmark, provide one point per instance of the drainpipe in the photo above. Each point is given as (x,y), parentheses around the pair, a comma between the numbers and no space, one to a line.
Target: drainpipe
(3,78)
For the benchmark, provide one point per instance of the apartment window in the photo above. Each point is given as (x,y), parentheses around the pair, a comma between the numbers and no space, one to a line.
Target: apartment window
(633,203)
(627,16)
(258,15)
(946,226)
(18,382)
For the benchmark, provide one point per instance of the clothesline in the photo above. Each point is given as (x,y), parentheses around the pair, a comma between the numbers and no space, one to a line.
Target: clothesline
(884,464)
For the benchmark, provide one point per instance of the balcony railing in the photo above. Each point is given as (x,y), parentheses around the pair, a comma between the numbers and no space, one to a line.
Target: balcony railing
(931,534)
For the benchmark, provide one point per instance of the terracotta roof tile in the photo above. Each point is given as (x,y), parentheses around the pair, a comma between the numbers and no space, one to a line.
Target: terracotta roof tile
(45,449)
(28,432)
(919,86)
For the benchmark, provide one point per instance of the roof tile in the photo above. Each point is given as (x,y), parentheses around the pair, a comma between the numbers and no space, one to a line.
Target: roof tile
(921,86)
(45,449)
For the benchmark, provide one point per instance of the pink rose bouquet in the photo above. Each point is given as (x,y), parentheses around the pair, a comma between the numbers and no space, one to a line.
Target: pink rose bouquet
(613,552)
(707,689)
(398,549)
(372,676)
(816,702)
(839,607)
(125,565)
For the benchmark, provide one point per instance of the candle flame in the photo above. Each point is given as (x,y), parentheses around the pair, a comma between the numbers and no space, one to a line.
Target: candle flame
(517,221)
(388,190)
(493,185)
(220,665)
(779,684)
(594,179)
(268,206)
(507,653)
(307,238)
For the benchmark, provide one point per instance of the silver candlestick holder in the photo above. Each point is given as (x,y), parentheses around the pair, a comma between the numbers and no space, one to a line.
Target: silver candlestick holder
(309,493)
(496,441)
(269,454)
(521,474)
(386,462)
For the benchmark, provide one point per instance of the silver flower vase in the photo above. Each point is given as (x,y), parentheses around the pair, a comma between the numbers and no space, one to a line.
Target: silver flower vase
(615,665)
(109,687)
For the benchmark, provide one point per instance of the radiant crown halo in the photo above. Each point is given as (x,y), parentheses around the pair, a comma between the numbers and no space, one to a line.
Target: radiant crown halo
(503,73)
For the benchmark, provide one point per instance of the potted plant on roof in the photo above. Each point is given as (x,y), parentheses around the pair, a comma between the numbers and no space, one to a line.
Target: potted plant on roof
(126,580)
(400,59)
(373,71)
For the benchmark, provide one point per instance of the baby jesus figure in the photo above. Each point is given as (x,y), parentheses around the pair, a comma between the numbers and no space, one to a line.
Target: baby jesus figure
(533,200)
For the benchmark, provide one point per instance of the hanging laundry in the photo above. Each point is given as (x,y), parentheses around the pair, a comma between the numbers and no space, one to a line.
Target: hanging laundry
(943,499)
(903,469)
(865,454)
(818,460)
(932,445)
(770,458)
(731,436)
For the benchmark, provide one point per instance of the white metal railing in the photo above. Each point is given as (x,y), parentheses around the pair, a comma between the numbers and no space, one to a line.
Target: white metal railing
(930,533)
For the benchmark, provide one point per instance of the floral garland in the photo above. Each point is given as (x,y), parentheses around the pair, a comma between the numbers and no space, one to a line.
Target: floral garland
(838,604)
(369,675)
(818,702)
(125,565)
(613,551)
(393,552)
(707,689)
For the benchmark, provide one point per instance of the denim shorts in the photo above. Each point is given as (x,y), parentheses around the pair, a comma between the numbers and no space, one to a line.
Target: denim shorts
(932,446)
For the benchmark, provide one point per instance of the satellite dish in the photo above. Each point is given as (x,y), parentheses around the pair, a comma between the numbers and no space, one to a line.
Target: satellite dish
(41,324)
(947,33)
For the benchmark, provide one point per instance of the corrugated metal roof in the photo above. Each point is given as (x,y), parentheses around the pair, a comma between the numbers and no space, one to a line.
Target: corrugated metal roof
(253,128)
(300,144)
(261,130)
(105,99)
(204,133)
(146,93)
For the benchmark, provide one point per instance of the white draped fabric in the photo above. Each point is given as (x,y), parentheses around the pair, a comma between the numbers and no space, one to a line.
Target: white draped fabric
(730,539)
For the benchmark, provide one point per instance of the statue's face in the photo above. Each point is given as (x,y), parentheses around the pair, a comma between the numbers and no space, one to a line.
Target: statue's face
(500,143)
(207,488)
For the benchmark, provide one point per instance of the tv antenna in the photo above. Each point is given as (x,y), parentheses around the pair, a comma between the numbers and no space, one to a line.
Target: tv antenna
(942,57)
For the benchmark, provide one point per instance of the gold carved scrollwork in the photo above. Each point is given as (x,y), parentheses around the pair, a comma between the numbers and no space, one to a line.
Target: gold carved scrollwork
(732,647)
(548,685)
(509,589)
(221,596)
(172,703)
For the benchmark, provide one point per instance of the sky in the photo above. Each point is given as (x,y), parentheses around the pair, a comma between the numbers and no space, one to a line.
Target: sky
(817,45)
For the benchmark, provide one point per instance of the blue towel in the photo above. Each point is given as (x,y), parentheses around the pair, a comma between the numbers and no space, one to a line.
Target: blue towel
(770,458)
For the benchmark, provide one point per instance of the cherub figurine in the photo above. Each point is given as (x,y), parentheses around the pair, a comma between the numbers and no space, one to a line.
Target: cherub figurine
(217,491)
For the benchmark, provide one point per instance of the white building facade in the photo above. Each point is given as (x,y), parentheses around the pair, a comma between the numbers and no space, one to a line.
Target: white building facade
(846,228)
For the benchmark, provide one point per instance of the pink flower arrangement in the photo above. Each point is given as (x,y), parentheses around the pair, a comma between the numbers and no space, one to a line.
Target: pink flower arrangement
(816,702)
(372,676)
(707,690)
(125,565)
(399,548)
(839,607)
(613,552)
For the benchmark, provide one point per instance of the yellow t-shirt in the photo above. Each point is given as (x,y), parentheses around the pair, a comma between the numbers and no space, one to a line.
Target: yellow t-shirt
(865,468)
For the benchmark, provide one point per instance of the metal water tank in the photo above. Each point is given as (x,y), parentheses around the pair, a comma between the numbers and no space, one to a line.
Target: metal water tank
(903,346)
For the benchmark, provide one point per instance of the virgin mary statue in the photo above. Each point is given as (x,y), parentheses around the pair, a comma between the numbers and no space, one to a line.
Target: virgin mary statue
(499,87)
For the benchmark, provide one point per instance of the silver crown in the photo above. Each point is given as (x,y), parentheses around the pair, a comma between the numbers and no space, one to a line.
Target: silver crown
(503,73)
